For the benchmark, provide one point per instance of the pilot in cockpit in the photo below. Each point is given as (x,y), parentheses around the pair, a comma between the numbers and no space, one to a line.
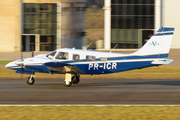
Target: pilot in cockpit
(61,56)
(58,56)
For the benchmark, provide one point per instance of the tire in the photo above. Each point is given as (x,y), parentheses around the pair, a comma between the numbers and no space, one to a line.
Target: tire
(75,79)
(67,84)
(30,81)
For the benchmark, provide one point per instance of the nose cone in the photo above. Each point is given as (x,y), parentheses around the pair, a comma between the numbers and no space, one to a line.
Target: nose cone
(13,65)
(7,65)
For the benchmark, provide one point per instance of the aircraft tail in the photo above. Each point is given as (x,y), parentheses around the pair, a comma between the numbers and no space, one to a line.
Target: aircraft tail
(159,44)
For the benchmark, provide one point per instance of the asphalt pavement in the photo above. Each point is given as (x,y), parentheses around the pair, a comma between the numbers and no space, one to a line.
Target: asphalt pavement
(91,91)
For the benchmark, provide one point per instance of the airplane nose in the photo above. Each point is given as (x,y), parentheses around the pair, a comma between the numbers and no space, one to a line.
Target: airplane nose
(7,65)
(11,65)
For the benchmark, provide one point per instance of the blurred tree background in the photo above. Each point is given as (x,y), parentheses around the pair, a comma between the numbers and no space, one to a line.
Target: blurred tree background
(99,3)
(95,14)
(94,21)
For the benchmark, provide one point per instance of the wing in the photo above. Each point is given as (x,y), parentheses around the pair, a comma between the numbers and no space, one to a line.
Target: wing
(63,67)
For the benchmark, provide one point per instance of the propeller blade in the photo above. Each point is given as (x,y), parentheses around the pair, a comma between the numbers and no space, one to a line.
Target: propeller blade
(22,68)
(21,63)
(32,53)
(21,76)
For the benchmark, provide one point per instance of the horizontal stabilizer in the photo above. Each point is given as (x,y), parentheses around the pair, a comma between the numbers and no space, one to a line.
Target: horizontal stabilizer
(161,62)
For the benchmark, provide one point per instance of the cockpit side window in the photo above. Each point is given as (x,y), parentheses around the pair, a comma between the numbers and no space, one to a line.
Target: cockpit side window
(90,58)
(76,57)
(62,55)
(51,55)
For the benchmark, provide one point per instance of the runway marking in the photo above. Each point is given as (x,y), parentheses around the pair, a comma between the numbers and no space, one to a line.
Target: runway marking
(124,105)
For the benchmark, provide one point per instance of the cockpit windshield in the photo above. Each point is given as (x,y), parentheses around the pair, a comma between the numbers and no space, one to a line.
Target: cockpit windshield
(51,55)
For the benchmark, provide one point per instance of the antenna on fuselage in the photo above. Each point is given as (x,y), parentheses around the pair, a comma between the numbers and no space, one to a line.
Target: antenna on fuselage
(114,48)
(88,46)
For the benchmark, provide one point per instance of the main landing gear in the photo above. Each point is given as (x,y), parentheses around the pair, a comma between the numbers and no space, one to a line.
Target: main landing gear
(71,80)
(30,80)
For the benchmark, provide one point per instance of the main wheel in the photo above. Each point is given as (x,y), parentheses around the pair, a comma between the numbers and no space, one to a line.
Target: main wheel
(75,79)
(67,83)
(30,80)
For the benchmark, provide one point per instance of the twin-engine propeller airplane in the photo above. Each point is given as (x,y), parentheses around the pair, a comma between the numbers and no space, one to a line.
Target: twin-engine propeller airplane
(74,62)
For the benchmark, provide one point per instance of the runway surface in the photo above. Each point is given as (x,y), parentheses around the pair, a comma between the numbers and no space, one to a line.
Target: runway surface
(91,91)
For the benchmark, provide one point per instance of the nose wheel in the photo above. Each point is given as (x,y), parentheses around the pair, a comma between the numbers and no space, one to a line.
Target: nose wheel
(30,80)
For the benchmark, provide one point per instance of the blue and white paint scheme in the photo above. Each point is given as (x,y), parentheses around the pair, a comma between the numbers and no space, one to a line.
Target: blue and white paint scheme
(73,62)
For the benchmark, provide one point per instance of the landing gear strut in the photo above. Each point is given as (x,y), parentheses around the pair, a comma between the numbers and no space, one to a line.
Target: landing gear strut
(67,83)
(30,80)
(69,80)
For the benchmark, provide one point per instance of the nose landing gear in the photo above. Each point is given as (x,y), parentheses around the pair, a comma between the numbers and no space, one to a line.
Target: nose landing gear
(30,80)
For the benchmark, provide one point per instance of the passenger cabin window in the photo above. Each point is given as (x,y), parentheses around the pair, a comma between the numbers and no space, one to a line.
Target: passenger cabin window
(62,55)
(90,58)
(76,57)
(51,55)
(103,59)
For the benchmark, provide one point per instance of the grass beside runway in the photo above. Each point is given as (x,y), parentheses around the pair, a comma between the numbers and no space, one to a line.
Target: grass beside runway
(5,61)
(90,113)
(162,72)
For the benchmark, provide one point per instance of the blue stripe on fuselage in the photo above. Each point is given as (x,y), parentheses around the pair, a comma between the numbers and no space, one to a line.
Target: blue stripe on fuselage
(108,67)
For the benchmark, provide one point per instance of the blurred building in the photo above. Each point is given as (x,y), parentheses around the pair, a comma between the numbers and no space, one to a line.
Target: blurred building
(130,23)
(41,25)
